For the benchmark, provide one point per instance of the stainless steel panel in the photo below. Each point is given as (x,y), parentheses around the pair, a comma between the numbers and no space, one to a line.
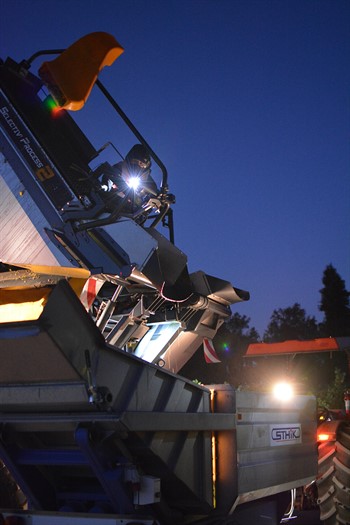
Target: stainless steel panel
(276,447)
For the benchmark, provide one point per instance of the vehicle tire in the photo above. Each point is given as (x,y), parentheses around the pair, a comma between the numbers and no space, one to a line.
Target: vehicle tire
(333,480)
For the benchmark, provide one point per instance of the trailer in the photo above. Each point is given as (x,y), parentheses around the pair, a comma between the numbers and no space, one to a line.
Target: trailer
(333,432)
(98,314)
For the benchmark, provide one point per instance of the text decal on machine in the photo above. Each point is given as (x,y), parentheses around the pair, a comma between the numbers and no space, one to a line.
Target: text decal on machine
(285,434)
(33,154)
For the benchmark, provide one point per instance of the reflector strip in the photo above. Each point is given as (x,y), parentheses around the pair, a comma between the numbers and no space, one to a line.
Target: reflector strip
(90,290)
(210,355)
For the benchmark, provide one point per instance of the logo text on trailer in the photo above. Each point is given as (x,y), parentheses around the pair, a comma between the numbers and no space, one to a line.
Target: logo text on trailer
(285,434)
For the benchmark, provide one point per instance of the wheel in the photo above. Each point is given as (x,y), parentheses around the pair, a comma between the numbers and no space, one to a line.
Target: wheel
(333,480)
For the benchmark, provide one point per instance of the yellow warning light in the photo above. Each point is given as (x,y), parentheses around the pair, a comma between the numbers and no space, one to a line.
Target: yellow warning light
(71,76)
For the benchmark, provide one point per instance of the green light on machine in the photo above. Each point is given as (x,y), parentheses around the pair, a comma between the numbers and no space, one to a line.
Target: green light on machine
(52,106)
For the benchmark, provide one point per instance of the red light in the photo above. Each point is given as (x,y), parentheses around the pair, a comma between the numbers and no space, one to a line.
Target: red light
(55,112)
(330,436)
(52,107)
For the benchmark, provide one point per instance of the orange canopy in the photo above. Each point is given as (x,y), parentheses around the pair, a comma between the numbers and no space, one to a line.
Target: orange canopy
(329,344)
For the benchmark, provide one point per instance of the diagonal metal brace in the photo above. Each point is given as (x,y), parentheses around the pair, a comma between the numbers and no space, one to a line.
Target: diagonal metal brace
(110,480)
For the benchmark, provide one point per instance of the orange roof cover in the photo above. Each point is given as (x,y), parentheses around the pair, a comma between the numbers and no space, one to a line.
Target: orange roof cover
(328,344)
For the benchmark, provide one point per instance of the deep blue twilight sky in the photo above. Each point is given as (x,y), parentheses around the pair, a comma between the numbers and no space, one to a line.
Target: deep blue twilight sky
(247,103)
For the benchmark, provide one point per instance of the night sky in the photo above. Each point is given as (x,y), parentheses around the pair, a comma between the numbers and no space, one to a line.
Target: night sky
(247,103)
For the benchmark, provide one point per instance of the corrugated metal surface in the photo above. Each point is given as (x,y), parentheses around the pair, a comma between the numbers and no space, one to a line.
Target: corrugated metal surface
(20,240)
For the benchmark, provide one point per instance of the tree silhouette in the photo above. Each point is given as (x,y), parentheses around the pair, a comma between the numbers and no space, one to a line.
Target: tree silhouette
(233,338)
(334,304)
(290,323)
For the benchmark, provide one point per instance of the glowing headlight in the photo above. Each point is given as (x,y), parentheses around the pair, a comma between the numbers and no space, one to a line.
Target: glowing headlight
(283,391)
(134,182)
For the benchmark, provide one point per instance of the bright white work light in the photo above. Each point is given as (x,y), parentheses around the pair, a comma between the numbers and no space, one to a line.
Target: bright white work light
(283,391)
(134,182)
